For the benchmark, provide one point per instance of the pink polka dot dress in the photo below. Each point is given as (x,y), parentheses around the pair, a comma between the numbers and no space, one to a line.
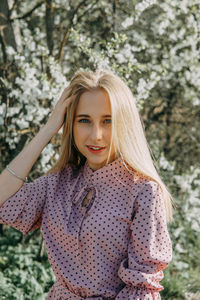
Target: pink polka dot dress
(113,246)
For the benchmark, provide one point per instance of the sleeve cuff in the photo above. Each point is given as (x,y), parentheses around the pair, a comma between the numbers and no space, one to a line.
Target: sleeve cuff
(135,278)
(137,293)
(13,206)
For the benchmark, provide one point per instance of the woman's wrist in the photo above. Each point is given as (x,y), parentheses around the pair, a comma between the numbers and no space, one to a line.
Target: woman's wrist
(49,130)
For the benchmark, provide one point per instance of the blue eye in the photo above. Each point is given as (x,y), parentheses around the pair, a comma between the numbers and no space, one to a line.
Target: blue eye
(108,121)
(84,121)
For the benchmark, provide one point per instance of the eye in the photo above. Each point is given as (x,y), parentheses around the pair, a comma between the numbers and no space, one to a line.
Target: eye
(108,121)
(83,121)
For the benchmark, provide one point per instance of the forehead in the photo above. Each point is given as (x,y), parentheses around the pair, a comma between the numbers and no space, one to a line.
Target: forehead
(94,102)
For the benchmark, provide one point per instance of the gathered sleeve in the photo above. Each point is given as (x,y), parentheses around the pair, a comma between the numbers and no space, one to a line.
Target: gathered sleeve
(24,209)
(149,248)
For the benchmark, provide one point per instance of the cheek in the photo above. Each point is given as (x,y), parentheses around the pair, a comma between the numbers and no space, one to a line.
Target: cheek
(79,133)
(108,134)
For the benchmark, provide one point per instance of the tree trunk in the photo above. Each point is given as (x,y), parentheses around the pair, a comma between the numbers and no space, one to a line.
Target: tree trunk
(49,20)
(7,37)
(114,4)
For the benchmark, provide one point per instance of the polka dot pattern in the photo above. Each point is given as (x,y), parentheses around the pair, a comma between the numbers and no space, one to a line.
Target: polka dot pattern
(115,246)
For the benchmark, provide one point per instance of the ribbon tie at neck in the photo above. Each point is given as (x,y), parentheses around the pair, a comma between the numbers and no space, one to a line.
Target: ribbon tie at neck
(79,212)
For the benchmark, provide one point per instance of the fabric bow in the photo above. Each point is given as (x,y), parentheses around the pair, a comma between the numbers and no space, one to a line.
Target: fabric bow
(79,212)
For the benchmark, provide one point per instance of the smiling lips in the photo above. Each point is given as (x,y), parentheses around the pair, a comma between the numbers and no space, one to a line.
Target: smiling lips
(95,149)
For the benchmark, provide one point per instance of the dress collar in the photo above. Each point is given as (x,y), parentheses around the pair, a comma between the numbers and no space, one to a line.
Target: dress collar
(112,172)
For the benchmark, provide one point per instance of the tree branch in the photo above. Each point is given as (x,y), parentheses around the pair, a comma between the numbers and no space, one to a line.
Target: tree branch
(79,17)
(14,5)
(60,52)
(3,46)
(27,14)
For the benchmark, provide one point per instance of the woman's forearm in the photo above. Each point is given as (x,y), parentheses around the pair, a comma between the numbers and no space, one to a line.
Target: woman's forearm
(23,162)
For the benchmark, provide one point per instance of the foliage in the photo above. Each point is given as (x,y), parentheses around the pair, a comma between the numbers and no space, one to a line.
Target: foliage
(24,274)
(154,46)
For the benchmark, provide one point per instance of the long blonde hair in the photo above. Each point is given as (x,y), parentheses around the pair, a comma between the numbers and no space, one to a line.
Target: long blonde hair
(128,135)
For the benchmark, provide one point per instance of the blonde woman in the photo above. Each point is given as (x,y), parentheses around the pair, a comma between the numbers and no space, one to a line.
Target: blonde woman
(103,208)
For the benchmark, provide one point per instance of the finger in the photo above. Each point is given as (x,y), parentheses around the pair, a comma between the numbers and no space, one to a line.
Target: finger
(68,101)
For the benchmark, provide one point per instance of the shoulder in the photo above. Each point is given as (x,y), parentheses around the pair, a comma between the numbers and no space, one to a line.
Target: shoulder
(150,189)
(67,174)
(140,186)
(140,180)
(144,187)
(149,197)
(144,182)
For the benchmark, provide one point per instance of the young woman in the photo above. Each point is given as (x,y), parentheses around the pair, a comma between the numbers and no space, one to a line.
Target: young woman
(103,209)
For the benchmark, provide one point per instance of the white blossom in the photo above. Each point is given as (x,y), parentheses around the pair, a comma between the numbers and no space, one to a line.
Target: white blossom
(128,22)
(120,57)
(165,164)
(22,123)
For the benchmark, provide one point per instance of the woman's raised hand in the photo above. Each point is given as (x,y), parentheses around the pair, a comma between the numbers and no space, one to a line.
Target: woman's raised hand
(57,116)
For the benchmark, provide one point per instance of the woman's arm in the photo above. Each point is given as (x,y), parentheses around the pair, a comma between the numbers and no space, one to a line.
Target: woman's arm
(149,248)
(24,161)
(22,164)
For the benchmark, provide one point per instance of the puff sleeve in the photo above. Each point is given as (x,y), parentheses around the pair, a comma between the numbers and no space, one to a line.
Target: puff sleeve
(149,248)
(24,209)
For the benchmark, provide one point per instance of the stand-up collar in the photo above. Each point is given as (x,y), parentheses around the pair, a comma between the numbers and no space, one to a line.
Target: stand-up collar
(115,170)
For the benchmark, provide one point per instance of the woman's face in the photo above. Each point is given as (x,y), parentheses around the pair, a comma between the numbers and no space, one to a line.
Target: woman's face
(92,128)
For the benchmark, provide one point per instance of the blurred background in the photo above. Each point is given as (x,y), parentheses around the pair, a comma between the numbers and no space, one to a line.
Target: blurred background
(154,46)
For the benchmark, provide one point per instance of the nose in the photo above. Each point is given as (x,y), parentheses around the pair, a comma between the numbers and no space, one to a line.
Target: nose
(96,133)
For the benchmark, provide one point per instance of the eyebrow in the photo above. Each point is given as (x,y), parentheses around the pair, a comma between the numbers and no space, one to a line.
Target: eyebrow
(87,116)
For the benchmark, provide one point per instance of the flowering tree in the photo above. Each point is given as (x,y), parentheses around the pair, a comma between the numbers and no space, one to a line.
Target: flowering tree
(153,45)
